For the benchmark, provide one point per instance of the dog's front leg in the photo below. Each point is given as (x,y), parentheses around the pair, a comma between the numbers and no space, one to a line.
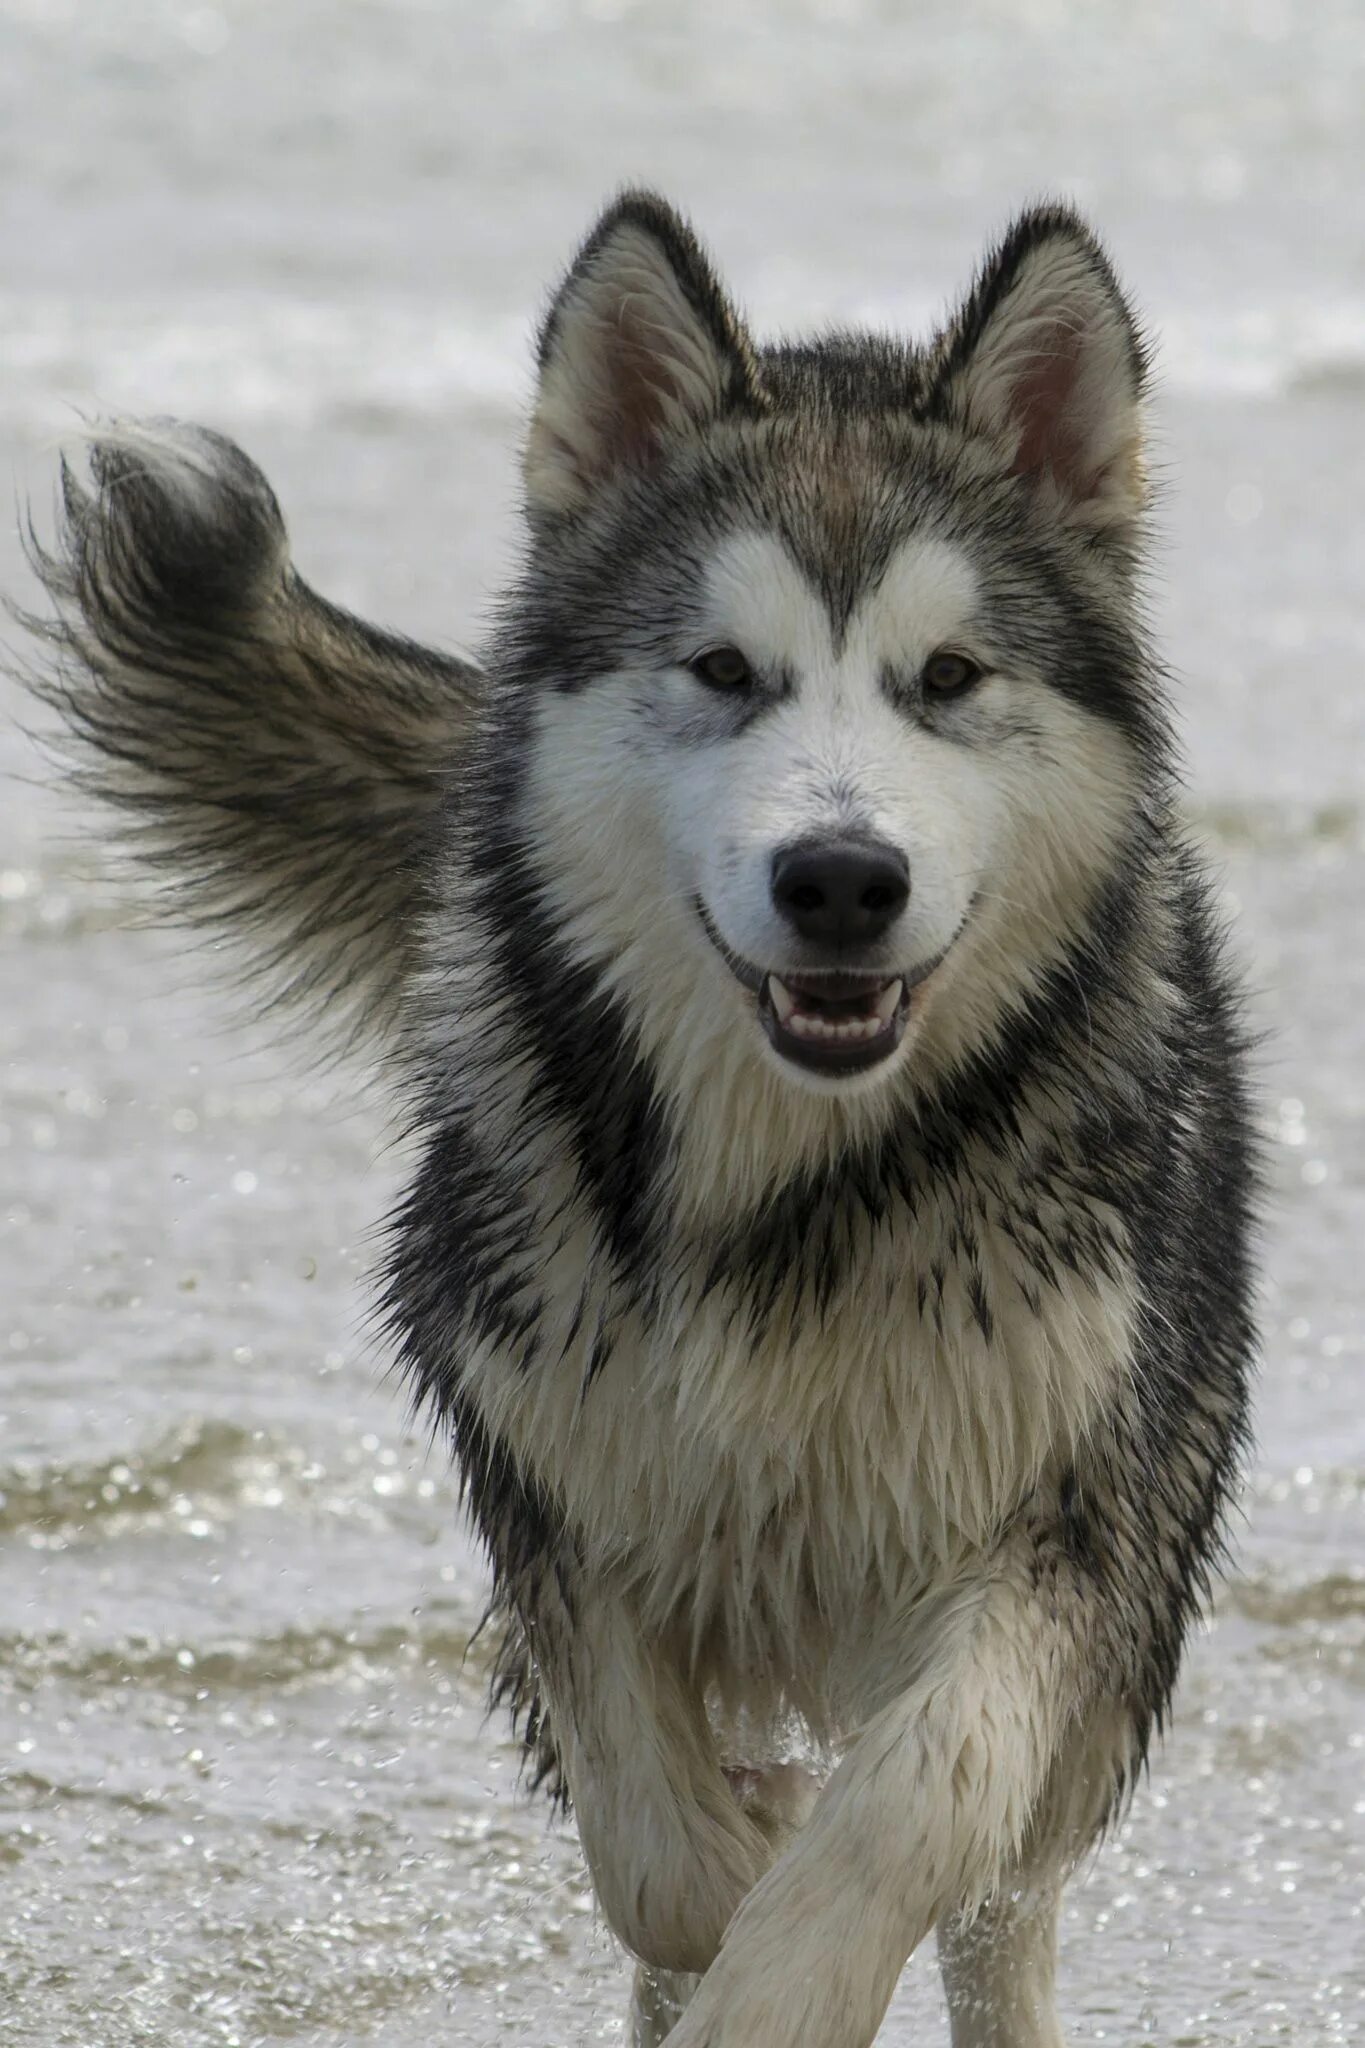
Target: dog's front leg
(999,1971)
(658,1999)
(670,1847)
(925,1815)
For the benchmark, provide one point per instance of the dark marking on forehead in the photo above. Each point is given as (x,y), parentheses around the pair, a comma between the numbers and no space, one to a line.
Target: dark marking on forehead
(842,505)
(850,406)
(846,375)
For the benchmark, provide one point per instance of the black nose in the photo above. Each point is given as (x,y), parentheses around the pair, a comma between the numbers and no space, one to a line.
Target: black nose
(840,892)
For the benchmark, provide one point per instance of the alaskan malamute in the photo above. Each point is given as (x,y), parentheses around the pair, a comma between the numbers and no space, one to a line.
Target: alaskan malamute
(827,1241)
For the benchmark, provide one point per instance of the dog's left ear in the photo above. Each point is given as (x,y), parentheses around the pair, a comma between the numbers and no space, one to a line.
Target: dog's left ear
(1045,359)
(641,347)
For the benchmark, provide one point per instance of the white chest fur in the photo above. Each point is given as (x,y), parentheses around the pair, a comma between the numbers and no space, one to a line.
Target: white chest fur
(752,1479)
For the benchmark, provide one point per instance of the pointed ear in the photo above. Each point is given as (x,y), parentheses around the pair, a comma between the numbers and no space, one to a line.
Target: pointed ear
(641,347)
(1046,360)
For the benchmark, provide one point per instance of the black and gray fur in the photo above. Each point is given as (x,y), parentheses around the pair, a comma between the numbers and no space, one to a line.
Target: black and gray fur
(231,716)
(908,1410)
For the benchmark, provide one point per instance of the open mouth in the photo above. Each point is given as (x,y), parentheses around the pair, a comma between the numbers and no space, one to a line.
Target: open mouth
(836,1023)
(830,1020)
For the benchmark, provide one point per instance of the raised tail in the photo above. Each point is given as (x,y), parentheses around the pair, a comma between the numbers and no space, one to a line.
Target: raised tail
(278,763)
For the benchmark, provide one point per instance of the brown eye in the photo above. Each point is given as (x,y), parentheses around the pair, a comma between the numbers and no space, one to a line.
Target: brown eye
(948,674)
(724,668)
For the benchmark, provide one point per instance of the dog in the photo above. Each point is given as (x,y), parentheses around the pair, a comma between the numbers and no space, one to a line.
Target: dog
(828,1245)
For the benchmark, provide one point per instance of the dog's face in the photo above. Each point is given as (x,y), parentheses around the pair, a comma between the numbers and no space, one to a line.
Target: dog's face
(832,833)
(839,690)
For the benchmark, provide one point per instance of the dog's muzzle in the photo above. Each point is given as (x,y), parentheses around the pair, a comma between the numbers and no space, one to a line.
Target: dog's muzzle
(830,1020)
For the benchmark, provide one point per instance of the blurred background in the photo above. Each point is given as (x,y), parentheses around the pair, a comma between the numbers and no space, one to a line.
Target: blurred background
(246,1795)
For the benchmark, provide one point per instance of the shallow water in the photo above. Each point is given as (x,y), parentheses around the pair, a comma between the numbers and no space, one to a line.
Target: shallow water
(246,1794)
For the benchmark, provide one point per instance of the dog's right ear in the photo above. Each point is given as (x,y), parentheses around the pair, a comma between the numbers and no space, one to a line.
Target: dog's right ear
(641,348)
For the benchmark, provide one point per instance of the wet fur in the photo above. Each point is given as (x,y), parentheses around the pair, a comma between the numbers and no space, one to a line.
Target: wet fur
(908,1411)
(279,764)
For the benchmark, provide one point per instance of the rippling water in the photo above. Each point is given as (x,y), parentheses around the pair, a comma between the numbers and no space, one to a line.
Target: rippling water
(246,1795)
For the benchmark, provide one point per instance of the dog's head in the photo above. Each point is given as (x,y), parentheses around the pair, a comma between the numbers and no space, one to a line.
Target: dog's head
(839,707)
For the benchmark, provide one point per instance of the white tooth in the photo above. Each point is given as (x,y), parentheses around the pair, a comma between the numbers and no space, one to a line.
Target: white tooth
(783,1001)
(889,1001)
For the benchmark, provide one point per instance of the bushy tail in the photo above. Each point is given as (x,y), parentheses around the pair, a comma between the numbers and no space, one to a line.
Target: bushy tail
(279,763)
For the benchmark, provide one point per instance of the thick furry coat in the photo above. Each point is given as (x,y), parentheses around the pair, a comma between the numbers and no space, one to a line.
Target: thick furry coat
(827,1248)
